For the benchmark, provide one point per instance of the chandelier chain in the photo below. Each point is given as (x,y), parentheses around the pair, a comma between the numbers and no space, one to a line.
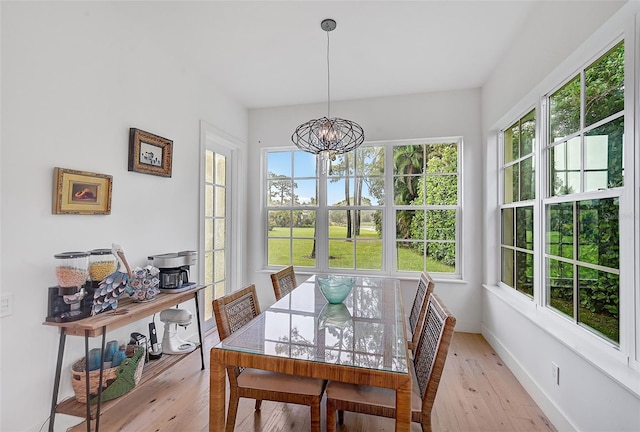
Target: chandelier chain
(328,81)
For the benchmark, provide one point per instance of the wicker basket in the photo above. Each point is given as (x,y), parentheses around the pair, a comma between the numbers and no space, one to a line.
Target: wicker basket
(78,379)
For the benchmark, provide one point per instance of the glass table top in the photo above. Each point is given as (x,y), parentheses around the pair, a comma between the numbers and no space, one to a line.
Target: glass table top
(366,330)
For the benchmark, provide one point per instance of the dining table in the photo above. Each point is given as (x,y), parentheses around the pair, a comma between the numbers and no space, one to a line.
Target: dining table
(361,341)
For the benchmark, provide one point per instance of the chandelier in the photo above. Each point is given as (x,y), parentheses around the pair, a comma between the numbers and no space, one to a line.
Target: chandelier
(326,136)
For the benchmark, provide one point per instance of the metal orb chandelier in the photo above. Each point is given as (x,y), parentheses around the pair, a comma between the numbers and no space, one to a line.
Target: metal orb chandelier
(328,136)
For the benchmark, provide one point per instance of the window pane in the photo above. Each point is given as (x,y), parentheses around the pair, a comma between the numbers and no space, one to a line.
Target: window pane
(208,170)
(304,252)
(527,133)
(278,252)
(370,161)
(442,158)
(565,167)
(221,174)
(218,271)
(279,164)
(343,165)
(341,254)
(441,257)
(406,190)
(560,230)
(208,234)
(507,227)
(441,190)
(340,191)
(208,200)
(560,286)
(599,294)
(410,256)
(369,254)
(524,272)
(280,191)
(305,192)
(208,268)
(604,84)
(441,225)
(564,110)
(603,148)
(338,221)
(524,227)
(220,233)
(304,164)
(220,204)
(507,267)
(406,224)
(527,180)
(511,143)
(408,160)
(279,223)
(598,232)
(510,184)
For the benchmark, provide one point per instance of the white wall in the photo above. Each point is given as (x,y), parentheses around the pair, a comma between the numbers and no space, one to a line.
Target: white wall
(455,113)
(598,390)
(75,77)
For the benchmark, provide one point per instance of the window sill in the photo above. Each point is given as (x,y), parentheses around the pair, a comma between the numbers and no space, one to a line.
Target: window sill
(601,354)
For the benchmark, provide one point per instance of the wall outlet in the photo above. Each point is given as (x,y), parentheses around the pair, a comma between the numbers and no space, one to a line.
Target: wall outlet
(555,373)
(6,305)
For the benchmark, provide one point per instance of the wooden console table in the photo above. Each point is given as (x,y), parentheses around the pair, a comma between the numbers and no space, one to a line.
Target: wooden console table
(128,313)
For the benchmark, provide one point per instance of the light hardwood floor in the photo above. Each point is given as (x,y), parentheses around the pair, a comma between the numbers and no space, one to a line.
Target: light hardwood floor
(477,393)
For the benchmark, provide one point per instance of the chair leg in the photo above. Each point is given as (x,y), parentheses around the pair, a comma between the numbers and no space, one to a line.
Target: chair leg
(315,417)
(233,411)
(340,417)
(258,404)
(331,416)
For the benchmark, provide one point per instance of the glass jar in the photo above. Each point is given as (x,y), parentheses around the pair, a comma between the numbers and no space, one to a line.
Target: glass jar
(72,268)
(101,264)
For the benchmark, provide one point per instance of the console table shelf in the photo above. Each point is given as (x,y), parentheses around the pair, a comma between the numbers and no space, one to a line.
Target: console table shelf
(128,312)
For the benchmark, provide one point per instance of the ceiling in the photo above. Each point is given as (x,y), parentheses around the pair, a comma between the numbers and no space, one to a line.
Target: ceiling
(274,53)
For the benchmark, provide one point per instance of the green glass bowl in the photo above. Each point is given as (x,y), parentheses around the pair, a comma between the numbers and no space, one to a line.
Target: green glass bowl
(335,288)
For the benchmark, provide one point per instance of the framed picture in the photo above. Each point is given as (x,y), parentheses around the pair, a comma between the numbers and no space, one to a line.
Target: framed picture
(149,153)
(81,192)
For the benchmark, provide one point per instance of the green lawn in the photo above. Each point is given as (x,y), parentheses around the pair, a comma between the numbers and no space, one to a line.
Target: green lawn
(341,251)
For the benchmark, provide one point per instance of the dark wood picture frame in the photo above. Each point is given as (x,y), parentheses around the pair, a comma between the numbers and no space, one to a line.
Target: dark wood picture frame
(81,192)
(149,153)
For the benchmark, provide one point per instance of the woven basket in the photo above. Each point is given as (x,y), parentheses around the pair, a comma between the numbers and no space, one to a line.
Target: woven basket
(78,379)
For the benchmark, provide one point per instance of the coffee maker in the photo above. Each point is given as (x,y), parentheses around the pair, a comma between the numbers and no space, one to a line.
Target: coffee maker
(174,270)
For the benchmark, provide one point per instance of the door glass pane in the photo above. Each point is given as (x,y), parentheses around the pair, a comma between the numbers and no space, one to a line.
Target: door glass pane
(221,169)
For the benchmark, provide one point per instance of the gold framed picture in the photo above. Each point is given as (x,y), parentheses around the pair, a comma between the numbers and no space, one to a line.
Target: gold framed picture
(81,192)
(149,153)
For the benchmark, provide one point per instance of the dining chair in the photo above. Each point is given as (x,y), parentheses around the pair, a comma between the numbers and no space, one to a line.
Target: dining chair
(426,370)
(416,317)
(284,281)
(232,312)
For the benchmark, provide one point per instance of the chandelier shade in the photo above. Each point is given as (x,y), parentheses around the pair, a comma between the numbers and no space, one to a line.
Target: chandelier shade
(328,136)
(335,135)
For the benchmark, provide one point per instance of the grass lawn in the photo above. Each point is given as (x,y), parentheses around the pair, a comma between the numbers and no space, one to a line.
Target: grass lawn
(367,253)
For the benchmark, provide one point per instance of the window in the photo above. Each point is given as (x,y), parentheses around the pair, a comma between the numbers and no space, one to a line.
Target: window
(389,207)
(585,178)
(517,222)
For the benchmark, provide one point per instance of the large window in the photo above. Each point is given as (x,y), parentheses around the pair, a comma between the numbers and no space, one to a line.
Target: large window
(518,179)
(583,175)
(391,207)
(585,178)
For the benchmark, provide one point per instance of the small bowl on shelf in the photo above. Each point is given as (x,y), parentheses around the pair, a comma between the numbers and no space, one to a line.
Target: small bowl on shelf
(335,288)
